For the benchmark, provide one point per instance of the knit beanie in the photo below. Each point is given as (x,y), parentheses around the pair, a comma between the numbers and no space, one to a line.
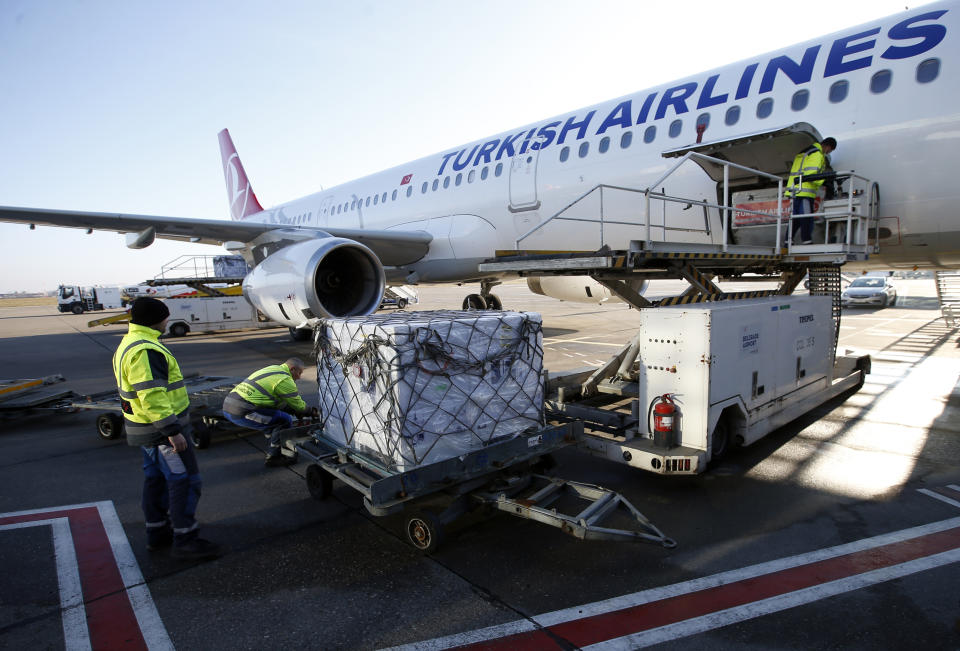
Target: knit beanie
(148,311)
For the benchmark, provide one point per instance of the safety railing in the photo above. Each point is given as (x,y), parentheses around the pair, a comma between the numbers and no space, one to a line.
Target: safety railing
(592,207)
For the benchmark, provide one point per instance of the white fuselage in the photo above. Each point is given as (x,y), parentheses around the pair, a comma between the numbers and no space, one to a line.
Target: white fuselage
(478,198)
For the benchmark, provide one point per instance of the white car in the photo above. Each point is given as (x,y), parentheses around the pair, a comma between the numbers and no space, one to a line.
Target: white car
(869,290)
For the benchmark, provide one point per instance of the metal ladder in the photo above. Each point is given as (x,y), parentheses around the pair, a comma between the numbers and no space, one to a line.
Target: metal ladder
(825,281)
(948,293)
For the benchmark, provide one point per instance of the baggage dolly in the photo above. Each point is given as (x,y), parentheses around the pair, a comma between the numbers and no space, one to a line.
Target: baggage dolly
(206,401)
(502,476)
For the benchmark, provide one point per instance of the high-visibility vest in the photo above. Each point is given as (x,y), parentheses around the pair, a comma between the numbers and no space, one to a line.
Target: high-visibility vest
(272,387)
(152,390)
(810,161)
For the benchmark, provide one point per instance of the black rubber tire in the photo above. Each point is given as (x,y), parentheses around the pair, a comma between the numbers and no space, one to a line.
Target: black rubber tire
(201,436)
(319,482)
(401,303)
(109,426)
(424,531)
(179,330)
(494,302)
(719,441)
(77,309)
(893,301)
(474,302)
(886,301)
(300,334)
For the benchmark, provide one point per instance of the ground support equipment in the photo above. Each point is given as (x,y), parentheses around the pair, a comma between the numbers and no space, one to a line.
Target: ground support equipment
(502,476)
(206,392)
(21,396)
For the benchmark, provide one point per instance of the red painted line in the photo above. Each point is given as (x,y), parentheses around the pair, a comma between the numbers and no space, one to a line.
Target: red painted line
(607,626)
(110,618)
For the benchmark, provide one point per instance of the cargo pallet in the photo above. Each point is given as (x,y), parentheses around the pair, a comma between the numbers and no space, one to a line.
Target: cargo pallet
(502,476)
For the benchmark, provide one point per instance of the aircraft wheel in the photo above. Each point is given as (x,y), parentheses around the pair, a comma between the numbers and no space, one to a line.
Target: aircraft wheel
(301,334)
(109,426)
(474,302)
(493,302)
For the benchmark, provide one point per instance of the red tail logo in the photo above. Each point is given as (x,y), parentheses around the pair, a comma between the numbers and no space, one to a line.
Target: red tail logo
(243,202)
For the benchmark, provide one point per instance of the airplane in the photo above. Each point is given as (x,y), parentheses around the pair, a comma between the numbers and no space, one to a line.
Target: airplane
(886,90)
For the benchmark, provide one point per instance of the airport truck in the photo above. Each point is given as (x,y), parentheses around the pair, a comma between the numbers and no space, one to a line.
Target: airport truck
(76,299)
(212,313)
(707,377)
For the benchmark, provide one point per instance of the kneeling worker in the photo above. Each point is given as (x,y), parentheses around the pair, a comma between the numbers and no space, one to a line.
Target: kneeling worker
(265,401)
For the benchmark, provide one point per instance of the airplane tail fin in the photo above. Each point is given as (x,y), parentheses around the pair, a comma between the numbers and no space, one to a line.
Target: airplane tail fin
(243,202)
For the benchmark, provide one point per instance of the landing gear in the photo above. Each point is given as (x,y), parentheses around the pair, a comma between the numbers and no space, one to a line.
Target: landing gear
(474,302)
(493,302)
(484,300)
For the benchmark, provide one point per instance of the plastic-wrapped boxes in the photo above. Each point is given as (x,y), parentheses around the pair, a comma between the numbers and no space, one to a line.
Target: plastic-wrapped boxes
(414,388)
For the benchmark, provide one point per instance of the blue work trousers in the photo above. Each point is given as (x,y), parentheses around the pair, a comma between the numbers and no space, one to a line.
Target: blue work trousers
(803,206)
(171,490)
(270,421)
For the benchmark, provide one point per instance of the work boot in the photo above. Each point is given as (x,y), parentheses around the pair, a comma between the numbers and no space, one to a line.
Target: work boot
(197,549)
(279,460)
(158,538)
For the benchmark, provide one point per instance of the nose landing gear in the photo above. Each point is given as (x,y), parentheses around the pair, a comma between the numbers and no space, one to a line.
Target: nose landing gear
(484,300)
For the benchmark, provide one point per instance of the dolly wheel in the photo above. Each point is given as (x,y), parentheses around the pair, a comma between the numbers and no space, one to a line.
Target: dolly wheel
(109,426)
(319,482)
(424,531)
(201,436)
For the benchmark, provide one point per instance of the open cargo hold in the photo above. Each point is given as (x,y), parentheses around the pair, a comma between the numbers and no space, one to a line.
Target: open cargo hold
(416,388)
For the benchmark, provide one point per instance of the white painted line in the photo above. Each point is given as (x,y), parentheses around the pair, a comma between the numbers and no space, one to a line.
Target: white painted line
(938,496)
(76,636)
(154,632)
(776,604)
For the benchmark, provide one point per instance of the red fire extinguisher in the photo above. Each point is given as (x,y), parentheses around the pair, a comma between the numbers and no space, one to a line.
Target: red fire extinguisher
(664,414)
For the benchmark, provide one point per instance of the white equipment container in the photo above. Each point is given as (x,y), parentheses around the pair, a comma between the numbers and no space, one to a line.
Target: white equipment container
(741,368)
(210,313)
(410,389)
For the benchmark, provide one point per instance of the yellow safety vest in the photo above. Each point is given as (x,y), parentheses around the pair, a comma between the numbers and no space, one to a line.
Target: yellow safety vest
(152,390)
(809,161)
(271,386)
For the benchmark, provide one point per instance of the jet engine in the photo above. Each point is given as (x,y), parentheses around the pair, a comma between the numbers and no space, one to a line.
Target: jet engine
(318,278)
(578,289)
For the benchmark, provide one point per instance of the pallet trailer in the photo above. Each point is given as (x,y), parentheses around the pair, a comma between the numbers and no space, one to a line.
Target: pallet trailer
(505,476)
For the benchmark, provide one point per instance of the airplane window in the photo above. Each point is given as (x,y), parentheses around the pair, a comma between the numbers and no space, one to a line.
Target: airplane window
(498,169)
(376,197)
(649,134)
(604,145)
(928,70)
(838,91)
(675,128)
(446,182)
(880,81)
(423,188)
(338,208)
(353,205)
(799,100)
(459,178)
(765,108)
(436,184)
(584,149)
(564,154)
(383,199)
(367,202)
(409,191)
(472,175)
(484,173)
(732,116)
(626,139)
(704,119)
(393,197)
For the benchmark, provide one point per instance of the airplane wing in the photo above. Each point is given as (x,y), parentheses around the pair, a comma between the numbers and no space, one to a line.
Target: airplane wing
(392,247)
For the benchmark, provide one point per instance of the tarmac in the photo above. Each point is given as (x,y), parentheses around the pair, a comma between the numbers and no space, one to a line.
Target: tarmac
(839,530)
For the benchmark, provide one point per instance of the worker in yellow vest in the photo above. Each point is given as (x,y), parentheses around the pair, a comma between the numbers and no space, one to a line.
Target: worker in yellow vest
(265,401)
(155,407)
(811,161)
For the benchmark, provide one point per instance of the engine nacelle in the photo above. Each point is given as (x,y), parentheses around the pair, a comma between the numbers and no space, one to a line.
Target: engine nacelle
(578,289)
(326,277)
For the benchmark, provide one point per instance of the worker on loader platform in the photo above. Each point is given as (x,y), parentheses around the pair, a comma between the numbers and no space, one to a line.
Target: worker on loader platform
(155,411)
(265,401)
(811,161)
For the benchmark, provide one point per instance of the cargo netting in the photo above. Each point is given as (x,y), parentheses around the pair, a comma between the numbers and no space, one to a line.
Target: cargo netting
(413,388)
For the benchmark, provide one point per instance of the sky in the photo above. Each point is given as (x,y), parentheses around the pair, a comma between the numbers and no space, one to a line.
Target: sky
(114,106)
